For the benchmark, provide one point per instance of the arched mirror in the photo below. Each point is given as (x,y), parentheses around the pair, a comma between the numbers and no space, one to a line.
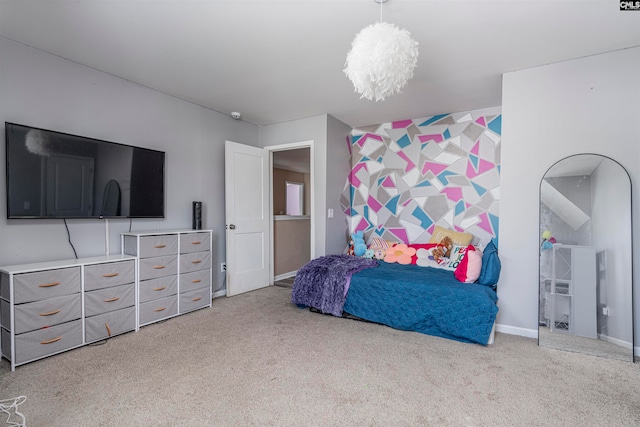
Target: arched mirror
(585,299)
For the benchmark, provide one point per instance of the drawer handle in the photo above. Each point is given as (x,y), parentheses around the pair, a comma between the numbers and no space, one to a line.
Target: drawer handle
(108,328)
(196,299)
(160,288)
(52,340)
(111,299)
(160,246)
(195,243)
(48,285)
(110,274)
(160,309)
(196,281)
(50,313)
(159,267)
(198,261)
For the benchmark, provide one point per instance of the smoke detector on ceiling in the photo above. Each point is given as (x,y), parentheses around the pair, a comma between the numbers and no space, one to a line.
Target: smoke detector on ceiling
(235,115)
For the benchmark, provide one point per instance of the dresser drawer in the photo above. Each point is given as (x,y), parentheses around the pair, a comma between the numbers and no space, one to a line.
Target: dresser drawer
(109,299)
(152,246)
(44,342)
(158,288)
(195,261)
(50,312)
(195,280)
(150,268)
(41,285)
(109,324)
(194,242)
(98,276)
(158,309)
(194,300)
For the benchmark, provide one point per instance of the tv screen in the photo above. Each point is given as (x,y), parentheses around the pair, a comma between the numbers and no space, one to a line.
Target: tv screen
(56,175)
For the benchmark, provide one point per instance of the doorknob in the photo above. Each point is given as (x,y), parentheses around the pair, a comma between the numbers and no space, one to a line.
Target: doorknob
(232,227)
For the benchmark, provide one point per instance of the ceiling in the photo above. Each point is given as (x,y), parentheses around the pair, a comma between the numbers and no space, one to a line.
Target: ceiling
(276,61)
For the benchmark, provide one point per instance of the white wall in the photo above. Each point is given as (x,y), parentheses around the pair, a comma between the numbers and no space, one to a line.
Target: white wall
(46,91)
(587,105)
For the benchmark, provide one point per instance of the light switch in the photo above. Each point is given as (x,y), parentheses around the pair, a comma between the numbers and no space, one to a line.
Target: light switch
(330,213)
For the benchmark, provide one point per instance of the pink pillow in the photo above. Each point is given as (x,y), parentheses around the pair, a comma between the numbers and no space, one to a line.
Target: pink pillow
(469,268)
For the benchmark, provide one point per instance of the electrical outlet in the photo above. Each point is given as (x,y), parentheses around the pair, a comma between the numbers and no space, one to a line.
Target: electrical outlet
(223,267)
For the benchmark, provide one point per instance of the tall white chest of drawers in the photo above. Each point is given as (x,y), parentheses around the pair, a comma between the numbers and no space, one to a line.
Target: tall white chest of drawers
(174,271)
(50,307)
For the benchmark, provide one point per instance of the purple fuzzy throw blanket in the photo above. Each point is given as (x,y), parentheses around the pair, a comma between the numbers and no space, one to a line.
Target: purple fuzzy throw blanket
(323,282)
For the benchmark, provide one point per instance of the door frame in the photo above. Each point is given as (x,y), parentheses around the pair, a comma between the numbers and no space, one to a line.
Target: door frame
(286,147)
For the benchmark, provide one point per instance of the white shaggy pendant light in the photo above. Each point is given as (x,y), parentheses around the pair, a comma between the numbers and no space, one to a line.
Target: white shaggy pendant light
(381,60)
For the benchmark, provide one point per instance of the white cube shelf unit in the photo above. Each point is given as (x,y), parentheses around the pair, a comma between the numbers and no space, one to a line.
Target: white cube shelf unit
(174,272)
(50,307)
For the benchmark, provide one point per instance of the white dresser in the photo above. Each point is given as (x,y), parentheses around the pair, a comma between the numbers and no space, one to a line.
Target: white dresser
(174,271)
(50,307)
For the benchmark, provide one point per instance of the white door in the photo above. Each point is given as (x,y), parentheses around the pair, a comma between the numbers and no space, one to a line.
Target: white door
(247,217)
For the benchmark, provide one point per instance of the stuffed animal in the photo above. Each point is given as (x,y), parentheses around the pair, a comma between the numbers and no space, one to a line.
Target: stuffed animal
(379,253)
(359,246)
(369,254)
(443,249)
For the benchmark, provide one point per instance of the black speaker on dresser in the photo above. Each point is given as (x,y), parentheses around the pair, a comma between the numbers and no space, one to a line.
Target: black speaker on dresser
(197,216)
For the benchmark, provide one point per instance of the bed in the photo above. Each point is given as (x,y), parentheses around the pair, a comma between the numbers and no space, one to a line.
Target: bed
(406,297)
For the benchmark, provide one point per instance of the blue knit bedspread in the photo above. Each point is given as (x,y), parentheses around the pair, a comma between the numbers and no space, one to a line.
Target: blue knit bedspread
(423,299)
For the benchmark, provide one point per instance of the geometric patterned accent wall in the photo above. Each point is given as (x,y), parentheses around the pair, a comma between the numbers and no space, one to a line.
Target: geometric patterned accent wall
(409,176)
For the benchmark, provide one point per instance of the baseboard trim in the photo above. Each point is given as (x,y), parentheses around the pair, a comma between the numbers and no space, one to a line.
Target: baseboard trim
(513,330)
(285,275)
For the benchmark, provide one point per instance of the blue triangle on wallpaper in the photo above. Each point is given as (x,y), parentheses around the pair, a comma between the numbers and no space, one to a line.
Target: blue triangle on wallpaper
(392,204)
(424,183)
(446,134)
(459,208)
(433,119)
(494,224)
(480,190)
(496,125)
(474,161)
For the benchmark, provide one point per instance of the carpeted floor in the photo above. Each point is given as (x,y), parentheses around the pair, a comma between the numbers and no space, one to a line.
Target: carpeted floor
(257,360)
(285,283)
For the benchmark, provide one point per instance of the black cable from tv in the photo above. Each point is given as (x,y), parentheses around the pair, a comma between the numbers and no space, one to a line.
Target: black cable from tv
(69,238)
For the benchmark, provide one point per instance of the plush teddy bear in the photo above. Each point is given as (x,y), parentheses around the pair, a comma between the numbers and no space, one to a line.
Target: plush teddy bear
(443,249)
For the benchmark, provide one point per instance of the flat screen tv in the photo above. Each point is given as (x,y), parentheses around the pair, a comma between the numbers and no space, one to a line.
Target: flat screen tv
(56,175)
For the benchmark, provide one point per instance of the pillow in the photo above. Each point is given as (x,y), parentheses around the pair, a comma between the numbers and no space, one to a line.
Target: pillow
(490,271)
(457,237)
(469,268)
(379,247)
(378,243)
(425,258)
(418,246)
(399,253)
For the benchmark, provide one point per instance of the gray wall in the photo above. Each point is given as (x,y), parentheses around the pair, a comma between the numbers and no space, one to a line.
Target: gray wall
(46,91)
(331,168)
(587,105)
